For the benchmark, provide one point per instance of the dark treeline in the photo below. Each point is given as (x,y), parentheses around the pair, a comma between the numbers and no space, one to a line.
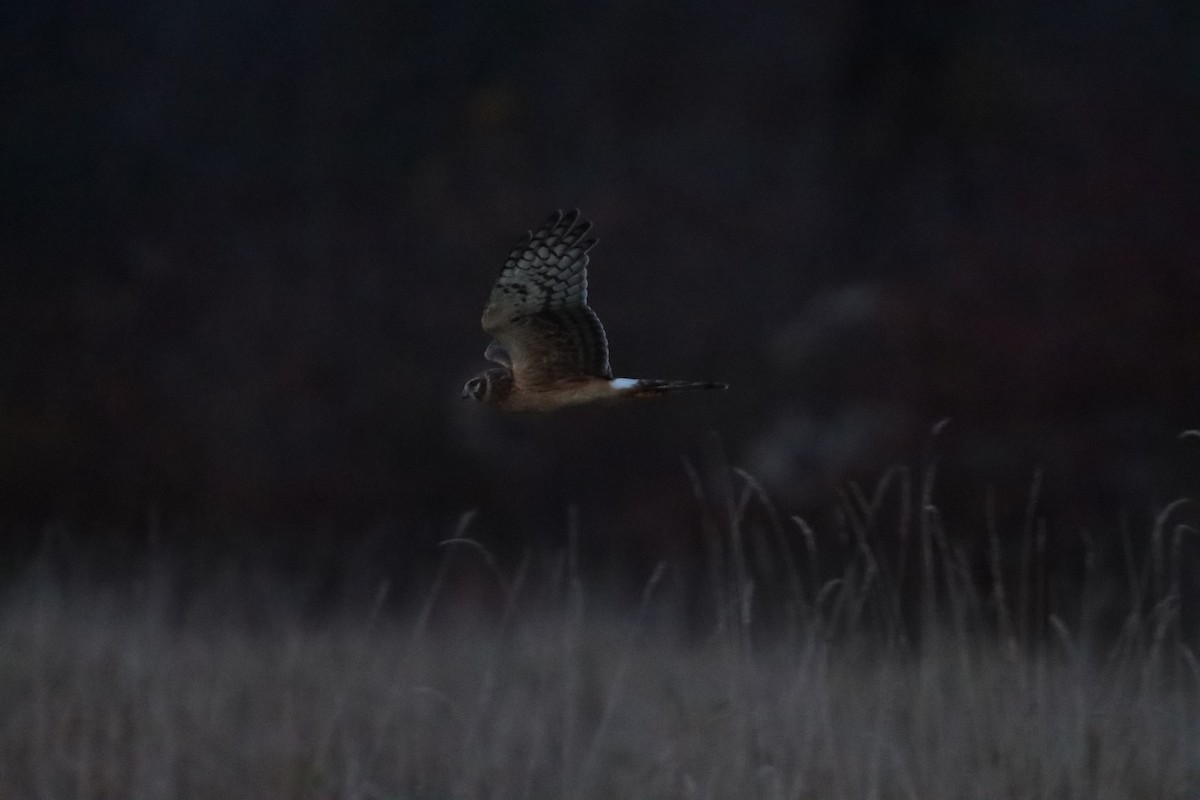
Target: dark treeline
(245,247)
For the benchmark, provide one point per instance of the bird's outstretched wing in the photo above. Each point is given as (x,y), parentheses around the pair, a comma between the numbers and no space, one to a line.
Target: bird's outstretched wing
(538,308)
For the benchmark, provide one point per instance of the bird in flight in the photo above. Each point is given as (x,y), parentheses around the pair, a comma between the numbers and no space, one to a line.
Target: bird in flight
(549,344)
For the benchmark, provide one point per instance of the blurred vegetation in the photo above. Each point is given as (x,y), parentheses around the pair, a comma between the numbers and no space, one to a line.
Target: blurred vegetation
(866,659)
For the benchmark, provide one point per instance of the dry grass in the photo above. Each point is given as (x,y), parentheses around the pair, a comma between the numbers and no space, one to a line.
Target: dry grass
(150,692)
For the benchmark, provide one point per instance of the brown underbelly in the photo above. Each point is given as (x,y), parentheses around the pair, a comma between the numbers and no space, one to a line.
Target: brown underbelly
(562,395)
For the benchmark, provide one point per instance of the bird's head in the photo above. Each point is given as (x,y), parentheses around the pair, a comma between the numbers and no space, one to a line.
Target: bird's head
(492,386)
(476,388)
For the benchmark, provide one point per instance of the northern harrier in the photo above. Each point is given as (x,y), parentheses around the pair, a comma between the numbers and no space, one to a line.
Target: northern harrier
(550,345)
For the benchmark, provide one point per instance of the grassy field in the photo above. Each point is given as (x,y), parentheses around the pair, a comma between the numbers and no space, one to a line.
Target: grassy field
(544,687)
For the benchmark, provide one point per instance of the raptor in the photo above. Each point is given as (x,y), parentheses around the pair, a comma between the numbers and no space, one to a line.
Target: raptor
(550,345)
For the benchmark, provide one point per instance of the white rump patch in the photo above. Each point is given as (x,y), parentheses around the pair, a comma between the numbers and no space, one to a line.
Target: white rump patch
(623,383)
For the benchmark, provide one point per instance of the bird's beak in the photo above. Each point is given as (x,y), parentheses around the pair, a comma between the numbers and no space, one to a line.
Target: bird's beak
(465,394)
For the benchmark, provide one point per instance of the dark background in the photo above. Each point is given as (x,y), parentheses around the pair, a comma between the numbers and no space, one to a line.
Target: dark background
(245,246)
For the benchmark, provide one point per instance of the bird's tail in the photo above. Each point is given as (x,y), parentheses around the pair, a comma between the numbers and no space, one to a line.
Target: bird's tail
(649,388)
